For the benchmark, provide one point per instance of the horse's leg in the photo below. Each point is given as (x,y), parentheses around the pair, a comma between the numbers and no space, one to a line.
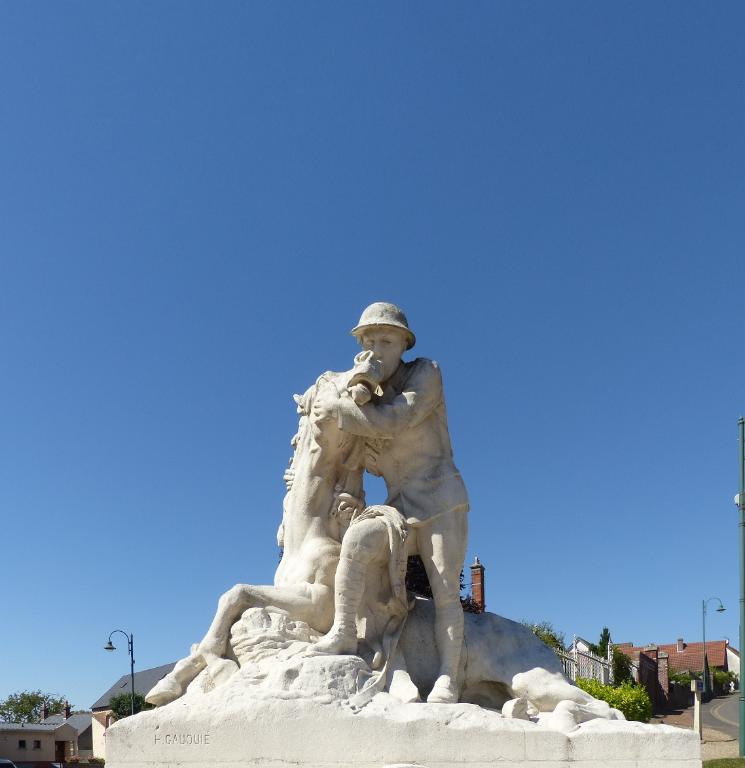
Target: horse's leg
(173,685)
(299,601)
(547,690)
(302,602)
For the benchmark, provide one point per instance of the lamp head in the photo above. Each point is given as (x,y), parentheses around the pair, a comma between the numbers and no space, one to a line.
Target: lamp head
(721,609)
(109,646)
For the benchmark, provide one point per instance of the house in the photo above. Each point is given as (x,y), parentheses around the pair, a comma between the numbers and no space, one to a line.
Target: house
(733,660)
(38,743)
(650,668)
(653,665)
(82,722)
(101,709)
(689,657)
(581,645)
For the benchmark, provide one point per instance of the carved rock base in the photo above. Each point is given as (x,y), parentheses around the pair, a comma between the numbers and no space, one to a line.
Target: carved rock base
(227,729)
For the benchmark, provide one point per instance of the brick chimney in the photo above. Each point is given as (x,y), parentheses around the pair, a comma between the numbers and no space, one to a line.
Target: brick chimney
(681,645)
(478,590)
(663,673)
(44,711)
(66,711)
(652,651)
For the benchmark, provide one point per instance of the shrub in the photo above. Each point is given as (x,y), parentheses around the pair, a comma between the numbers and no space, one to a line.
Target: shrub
(683,677)
(121,704)
(723,678)
(546,632)
(631,699)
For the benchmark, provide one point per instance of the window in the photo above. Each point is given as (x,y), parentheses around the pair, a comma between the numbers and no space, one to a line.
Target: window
(37,743)
(21,743)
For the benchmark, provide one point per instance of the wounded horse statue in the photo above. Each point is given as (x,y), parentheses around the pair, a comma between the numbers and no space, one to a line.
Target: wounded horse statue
(337,645)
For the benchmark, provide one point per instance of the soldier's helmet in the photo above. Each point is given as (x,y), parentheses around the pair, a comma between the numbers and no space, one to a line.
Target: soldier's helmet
(381,313)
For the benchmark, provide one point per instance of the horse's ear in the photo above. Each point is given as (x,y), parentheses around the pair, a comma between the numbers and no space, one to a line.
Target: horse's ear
(300,403)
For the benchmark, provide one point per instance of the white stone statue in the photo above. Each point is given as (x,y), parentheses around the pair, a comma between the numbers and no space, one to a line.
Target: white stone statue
(343,566)
(338,648)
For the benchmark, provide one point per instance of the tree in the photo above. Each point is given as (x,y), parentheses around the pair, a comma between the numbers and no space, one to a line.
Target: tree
(620,661)
(621,668)
(601,649)
(27,706)
(416,577)
(418,583)
(121,704)
(546,632)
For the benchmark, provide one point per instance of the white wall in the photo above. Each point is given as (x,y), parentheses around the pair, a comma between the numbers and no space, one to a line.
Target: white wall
(733,662)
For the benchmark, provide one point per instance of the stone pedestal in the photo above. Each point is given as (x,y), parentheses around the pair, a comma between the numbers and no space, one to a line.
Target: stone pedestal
(231,727)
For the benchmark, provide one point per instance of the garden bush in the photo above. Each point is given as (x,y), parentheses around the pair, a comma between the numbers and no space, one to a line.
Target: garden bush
(723,678)
(684,678)
(631,699)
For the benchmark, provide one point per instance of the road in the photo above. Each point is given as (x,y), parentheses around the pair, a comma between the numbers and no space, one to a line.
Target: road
(722,714)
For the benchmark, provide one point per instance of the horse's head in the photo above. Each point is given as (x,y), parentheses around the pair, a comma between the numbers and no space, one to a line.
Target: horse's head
(325,456)
(359,383)
(320,446)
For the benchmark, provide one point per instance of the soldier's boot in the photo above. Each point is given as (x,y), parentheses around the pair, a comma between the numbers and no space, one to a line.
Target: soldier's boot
(449,638)
(348,588)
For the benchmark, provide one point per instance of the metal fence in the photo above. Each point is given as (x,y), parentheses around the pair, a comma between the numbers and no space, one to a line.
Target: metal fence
(586,664)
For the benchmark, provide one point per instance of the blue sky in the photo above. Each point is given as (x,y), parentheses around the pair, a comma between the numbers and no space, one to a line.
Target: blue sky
(196,202)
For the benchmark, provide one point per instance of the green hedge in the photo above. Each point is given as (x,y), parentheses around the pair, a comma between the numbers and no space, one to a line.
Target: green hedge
(631,699)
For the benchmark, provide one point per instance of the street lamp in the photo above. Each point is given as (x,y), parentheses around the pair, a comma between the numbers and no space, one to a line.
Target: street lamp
(130,647)
(721,609)
(740,501)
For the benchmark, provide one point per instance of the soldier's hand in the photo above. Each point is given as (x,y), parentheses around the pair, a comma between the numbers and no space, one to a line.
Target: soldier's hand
(324,406)
(348,505)
(289,478)
(360,394)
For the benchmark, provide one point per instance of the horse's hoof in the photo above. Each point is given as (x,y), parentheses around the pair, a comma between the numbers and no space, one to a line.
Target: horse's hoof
(164,692)
(445,691)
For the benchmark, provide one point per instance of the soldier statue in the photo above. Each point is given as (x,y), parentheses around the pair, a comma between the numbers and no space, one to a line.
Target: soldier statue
(404,425)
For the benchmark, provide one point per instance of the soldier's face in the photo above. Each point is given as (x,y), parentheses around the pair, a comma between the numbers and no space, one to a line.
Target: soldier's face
(387,346)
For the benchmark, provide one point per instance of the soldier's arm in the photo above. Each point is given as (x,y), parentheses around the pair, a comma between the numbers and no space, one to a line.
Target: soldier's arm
(423,393)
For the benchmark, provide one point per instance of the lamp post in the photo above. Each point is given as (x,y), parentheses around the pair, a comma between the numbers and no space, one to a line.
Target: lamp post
(130,647)
(703,619)
(741,505)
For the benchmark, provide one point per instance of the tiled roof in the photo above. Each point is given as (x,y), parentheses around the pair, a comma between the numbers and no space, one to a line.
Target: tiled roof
(62,728)
(692,655)
(79,722)
(690,658)
(37,727)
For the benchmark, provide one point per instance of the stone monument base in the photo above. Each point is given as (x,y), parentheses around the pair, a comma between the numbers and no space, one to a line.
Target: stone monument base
(289,707)
(230,731)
